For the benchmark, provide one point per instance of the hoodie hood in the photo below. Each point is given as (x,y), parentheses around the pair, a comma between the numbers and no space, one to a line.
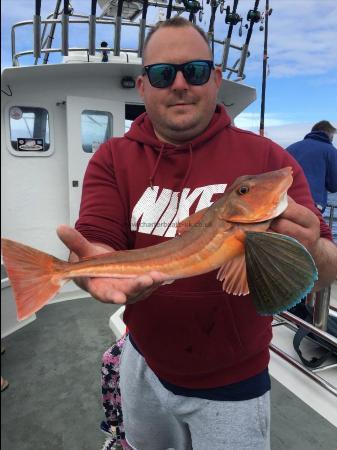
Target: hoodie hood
(318,136)
(142,132)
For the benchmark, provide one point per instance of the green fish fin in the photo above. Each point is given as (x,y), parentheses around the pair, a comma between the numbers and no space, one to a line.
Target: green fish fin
(280,271)
(233,274)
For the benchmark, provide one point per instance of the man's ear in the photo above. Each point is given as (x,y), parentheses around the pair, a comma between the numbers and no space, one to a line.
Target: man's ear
(218,76)
(140,85)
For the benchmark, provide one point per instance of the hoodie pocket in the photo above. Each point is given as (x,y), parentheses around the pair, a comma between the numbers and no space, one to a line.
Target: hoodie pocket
(187,332)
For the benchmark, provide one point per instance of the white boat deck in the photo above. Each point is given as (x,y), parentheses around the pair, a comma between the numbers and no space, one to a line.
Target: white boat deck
(320,399)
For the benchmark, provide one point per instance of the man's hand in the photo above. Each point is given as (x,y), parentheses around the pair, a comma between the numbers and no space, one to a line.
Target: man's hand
(302,224)
(299,222)
(107,290)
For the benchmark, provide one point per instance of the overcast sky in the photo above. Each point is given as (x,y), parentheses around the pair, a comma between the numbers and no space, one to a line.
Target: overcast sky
(302,80)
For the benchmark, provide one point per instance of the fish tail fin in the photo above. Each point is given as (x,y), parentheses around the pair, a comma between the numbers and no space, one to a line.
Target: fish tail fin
(280,271)
(35,276)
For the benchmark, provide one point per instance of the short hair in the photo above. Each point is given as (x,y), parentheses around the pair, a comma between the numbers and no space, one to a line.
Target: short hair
(325,126)
(176,22)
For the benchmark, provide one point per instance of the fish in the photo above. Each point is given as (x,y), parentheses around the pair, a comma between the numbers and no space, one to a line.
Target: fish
(231,235)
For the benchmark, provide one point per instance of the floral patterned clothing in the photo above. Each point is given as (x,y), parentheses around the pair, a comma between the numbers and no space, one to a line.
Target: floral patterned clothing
(111,398)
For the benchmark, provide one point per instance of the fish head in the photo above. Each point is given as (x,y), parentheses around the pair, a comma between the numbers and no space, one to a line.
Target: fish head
(257,198)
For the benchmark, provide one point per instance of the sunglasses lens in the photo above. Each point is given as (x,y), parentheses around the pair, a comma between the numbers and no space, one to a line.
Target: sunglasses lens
(161,75)
(197,72)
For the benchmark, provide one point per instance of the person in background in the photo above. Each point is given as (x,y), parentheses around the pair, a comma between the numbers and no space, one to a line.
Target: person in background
(194,365)
(318,159)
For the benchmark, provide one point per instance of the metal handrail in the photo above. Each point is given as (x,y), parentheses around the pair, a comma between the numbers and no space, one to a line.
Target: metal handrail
(321,300)
(327,337)
(319,380)
(83,19)
(288,320)
(318,328)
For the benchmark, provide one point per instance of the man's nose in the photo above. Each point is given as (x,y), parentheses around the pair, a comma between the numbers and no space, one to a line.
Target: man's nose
(180,83)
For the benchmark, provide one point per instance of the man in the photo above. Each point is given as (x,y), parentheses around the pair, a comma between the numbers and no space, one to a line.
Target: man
(318,159)
(194,369)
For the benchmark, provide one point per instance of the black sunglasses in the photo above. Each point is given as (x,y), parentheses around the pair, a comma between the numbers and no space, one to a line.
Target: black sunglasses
(162,75)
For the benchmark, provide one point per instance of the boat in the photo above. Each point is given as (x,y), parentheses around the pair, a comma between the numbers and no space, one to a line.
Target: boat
(56,111)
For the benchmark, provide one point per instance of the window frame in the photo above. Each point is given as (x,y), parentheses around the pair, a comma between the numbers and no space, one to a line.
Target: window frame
(110,126)
(9,142)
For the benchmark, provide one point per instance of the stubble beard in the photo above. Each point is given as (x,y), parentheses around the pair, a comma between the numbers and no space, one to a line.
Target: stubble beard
(184,127)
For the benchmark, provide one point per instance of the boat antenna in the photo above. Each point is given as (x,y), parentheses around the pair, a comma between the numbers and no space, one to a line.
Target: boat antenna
(267,13)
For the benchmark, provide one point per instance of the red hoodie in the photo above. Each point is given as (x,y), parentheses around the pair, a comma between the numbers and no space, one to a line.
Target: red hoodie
(191,333)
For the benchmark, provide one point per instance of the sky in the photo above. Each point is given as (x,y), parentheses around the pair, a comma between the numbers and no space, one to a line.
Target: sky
(302,59)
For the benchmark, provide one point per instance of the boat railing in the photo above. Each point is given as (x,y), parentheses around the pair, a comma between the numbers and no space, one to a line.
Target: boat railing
(65,49)
(291,321)
(320,301)
(42,46)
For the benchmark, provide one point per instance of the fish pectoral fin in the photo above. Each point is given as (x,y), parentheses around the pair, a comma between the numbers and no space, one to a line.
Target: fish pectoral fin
(234,276)
(190,221)
(280,271)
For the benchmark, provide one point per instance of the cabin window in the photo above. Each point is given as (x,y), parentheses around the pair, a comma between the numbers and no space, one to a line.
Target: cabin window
(29,129)
(132,111)
(96,128)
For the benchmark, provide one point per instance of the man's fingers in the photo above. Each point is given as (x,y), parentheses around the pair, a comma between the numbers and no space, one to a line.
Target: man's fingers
(124,290)
(139,284)
(74,240)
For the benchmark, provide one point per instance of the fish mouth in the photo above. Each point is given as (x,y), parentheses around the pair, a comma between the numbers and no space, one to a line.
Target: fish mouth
(281,207)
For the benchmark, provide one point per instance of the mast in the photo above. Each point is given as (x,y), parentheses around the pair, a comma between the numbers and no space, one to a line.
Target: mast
(264,69)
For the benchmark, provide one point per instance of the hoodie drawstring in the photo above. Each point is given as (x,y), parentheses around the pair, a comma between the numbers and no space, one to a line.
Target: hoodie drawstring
(153,173)
(187,173)
(189,167)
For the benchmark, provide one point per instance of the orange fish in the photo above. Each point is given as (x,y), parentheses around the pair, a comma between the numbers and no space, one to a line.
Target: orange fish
(230,236)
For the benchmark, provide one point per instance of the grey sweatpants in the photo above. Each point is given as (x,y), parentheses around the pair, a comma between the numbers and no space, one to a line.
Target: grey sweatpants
(157,419)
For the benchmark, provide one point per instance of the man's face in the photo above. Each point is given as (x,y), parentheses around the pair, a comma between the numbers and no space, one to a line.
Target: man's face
(181,111)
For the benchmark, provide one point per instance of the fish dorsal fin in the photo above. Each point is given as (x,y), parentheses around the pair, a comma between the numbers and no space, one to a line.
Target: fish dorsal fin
(234,276)
(280,271)
(190,221)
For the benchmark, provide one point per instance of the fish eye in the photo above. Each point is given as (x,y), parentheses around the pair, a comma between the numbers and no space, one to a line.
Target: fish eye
(243,190)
